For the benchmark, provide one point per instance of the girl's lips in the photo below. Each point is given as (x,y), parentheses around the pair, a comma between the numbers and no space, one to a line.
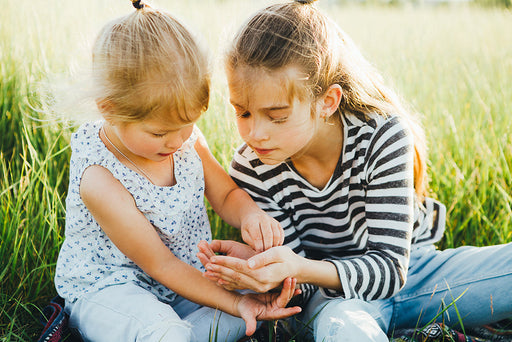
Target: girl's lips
(262,151)
(164,154)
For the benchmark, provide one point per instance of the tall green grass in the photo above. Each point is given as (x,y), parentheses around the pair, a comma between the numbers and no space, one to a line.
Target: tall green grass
(453,64)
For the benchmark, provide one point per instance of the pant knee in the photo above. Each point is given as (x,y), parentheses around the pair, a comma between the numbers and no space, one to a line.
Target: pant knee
(347,321)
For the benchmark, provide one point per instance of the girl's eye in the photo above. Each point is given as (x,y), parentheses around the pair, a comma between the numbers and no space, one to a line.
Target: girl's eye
(158,135)
(279,120)
(243,115)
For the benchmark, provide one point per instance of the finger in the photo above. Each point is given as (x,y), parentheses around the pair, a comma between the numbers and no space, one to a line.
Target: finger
(205,248)
(286,312)
(203,259)
(222,246)
(237,279)
(233,263)
(262,259)
(212,276)
(278,235)
(291,292)
(253,238)
(267,236)
(286,292)
(221,282)
(250,326)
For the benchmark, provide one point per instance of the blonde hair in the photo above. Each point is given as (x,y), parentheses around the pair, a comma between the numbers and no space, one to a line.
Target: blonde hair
(148,63)
(297,34)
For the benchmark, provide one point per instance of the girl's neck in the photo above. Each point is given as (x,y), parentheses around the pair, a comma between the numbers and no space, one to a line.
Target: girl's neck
(319,159)
(158,173)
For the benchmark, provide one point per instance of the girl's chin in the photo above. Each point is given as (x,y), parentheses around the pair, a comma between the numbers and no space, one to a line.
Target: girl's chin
(269,161)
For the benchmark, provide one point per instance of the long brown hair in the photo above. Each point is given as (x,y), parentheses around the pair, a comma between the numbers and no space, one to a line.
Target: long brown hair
(298,34)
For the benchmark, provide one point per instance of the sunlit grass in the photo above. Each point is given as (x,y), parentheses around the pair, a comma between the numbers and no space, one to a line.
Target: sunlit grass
(453,64)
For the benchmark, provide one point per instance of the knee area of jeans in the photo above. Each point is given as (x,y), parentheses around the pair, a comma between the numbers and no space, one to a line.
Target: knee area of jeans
(342,307)
(348,312)
(167,330)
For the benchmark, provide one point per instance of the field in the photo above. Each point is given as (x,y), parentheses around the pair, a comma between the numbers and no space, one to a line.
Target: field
(452,63)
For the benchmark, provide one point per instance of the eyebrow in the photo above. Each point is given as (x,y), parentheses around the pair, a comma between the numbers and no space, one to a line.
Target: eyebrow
(278,107)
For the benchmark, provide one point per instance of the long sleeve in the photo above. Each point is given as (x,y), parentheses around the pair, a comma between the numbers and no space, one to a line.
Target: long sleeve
(388,178)
(362,220)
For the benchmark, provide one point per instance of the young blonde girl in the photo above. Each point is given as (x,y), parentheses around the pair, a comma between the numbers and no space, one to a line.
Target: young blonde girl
(135,207)
(332,154)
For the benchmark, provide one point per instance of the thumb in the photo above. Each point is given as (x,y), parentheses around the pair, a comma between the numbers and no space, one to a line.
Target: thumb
(250,325)
(262,259)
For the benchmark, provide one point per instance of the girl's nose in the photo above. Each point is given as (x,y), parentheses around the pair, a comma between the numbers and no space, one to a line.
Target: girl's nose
(259,131)
(174,142)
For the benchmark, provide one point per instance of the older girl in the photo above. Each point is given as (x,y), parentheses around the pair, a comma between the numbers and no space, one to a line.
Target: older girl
(334,156)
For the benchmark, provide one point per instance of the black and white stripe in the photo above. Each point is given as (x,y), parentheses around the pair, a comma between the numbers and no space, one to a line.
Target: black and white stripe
(364,220)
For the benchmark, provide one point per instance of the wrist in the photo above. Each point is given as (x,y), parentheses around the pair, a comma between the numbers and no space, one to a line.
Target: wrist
(321,273)
(236,301)
(303,270)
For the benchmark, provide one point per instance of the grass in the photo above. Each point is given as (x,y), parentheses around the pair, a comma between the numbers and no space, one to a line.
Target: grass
(452,63)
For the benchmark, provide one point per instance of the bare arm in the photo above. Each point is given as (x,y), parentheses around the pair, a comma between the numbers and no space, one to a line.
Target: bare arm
(235,206)
(114,209)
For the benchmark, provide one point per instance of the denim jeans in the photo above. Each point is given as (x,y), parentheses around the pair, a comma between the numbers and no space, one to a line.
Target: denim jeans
(480,276)
(129,313)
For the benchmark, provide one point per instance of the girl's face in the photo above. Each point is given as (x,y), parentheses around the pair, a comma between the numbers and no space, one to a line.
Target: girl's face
(276,125)
(152,139)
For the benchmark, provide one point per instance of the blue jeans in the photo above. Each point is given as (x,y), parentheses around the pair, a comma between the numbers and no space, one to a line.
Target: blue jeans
(482,276)
(129,313)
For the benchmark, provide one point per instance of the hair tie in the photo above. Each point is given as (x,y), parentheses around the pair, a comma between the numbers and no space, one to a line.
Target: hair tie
(138,4)
(305,2)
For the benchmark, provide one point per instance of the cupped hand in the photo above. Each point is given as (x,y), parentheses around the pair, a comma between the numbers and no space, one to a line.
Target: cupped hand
(225,247)
(260,273)
(266,306)
(261,231)
(230,248)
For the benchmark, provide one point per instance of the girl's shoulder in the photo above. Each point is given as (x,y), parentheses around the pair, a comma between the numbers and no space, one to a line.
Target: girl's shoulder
(375,126)
(86,142)
(371,121)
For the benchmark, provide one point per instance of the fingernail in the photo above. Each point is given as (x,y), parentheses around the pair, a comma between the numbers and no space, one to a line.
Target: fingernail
(251,263)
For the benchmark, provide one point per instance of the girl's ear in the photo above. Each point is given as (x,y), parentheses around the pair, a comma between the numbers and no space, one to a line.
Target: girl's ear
(330,101)
(105,106)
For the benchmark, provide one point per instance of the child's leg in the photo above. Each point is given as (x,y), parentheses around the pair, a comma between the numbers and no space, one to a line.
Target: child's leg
(126,313)
(438,277)
(346,320)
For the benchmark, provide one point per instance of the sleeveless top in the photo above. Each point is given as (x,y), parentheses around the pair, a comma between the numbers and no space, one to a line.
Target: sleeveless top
(88,260)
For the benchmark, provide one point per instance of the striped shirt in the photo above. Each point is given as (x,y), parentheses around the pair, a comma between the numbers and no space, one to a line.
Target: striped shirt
(366,218)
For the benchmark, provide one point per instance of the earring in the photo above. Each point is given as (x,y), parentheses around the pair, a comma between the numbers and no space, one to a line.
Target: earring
(326,121)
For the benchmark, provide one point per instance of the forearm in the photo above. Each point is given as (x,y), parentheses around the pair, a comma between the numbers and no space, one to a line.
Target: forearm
(318,272)
(236,205)
(189,283)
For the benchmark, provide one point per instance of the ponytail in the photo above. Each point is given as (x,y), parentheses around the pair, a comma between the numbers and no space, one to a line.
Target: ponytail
(138,4)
